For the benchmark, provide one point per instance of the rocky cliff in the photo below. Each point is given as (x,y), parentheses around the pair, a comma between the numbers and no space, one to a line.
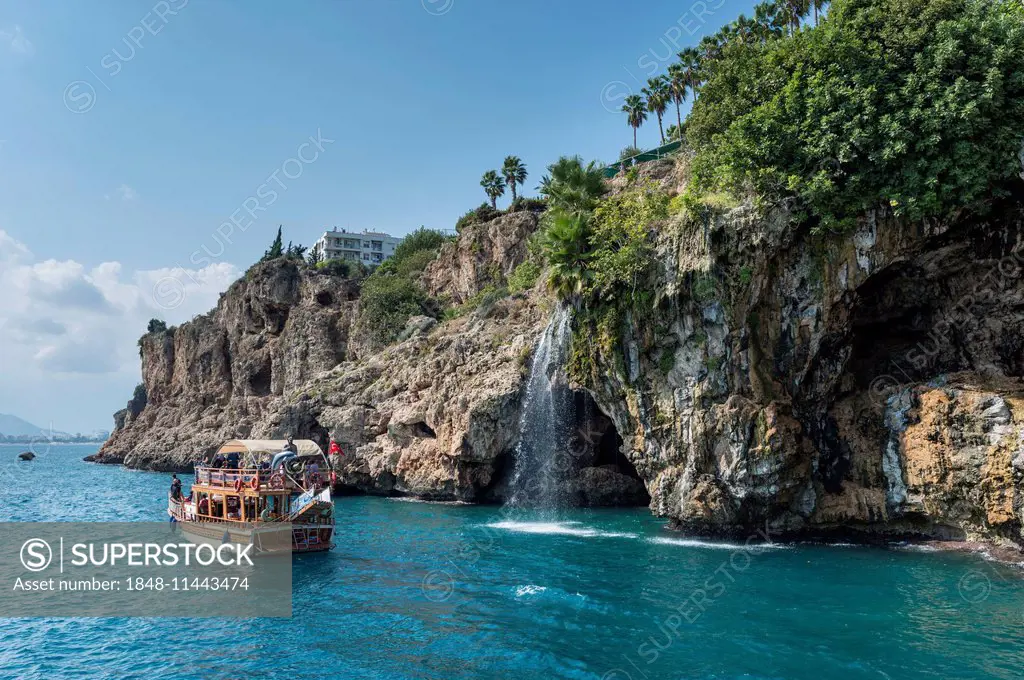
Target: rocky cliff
(433,415)
(868,380)
(216,377)
(829,383)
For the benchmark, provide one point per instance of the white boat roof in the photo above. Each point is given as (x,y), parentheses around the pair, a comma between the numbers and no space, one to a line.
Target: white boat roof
(305,447)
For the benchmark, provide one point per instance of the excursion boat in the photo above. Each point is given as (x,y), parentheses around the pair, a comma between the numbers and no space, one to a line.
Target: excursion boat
(279,494)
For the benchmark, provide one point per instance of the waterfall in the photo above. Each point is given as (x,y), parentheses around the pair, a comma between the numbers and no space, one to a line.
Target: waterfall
(542,460)
(896,408)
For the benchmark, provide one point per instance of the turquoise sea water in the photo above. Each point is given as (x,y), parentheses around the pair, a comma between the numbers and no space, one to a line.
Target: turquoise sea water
(417,590)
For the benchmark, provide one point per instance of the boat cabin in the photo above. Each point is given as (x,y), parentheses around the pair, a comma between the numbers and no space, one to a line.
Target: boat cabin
(257,481)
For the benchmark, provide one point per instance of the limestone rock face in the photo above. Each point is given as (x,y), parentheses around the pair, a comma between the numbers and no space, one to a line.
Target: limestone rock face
(484,252)
(214,378)
(830,383)
(434,415)
(868,380)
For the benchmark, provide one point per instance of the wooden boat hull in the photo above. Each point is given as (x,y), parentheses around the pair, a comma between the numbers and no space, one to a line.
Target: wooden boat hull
(268,540)
(267,537)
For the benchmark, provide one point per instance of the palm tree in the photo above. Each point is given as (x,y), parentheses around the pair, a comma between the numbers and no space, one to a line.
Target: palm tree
(566,244)
(658,97)
(770,23)
(677,87)
(572,187)
(792,11)
(745,30)
(675,133)
(494,187)
(817,5)
(689,64)
(710,47)
(636,113)
(514,173)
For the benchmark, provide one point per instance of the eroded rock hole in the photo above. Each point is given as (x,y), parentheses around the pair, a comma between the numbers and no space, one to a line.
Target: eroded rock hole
(423,431)
(604,475)
(324,298)
(260,380)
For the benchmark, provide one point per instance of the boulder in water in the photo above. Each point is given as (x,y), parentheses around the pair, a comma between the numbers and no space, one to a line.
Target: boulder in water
(26,455)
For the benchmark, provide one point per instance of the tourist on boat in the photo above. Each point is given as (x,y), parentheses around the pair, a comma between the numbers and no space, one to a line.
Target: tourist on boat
(175,488)
(334,449)
(290,446)
(312,474)
(232,461)
(218,460)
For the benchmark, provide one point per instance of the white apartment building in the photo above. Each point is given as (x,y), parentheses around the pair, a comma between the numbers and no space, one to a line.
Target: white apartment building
(368,247)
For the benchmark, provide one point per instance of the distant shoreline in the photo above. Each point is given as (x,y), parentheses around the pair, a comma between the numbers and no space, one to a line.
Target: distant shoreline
(36,442)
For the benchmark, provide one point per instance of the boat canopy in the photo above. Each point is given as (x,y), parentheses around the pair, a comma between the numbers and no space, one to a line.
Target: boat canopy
(258,447)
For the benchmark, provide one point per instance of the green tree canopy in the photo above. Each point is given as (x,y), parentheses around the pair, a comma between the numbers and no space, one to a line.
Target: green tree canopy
(916,104)
(276,249)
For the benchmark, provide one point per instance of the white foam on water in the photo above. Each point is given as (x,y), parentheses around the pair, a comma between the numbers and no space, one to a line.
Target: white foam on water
(915,547)
(558,529)
(523,591)
(715,545)
(411,499)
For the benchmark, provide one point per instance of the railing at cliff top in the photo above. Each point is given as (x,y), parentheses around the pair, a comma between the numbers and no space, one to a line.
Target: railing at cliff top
(652,155)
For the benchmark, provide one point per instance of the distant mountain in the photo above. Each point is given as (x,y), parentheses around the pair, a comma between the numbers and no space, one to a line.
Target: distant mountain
(15,430)
(13,426)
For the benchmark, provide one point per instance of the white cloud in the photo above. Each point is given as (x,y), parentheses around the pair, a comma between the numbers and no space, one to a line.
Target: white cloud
(16,41)
(126,193)
(64,318)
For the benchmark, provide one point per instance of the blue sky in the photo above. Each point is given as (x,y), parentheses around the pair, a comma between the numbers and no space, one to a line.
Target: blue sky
(132,131)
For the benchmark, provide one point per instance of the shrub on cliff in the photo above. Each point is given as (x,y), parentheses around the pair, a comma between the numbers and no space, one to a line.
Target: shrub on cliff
(392,293)
(386,303)
(484,213)
(339,267)
(914,104)
(602,255)
(421,240)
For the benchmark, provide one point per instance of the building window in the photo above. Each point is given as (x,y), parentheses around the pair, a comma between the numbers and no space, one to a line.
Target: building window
(366,256)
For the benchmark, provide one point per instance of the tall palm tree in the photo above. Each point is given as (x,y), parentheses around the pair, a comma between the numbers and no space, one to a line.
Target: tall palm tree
(572,187)
(770,24)
(710,47)
(792,11)
(658,97)
(636,113)
(677,80)
(817,5)
(745,30)
(494,187)
(514,173)
(689,60)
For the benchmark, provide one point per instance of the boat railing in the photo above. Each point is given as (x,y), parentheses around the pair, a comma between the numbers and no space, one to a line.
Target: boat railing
(229,478)
(265,478)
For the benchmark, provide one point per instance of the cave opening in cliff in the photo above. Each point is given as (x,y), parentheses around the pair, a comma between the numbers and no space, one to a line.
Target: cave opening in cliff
(921,319)
(606,476)
(594,470)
